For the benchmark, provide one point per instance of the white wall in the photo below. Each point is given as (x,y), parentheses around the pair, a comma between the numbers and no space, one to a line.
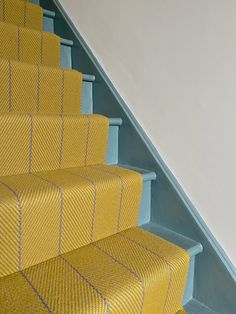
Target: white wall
(174,62)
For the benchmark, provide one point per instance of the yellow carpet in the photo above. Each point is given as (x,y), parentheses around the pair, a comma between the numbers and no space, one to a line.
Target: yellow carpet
(130,272)
(21,13)
(69,207)
(36,88)
(28,45)
(68,222)
(34,142)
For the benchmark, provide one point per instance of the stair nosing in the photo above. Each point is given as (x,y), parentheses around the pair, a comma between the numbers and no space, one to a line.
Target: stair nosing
(48,13)
(195,247)
(115,121)
(148,175)
(67,42)
(88,77)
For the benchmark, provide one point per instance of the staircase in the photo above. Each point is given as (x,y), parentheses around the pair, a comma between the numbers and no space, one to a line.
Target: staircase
(78,232)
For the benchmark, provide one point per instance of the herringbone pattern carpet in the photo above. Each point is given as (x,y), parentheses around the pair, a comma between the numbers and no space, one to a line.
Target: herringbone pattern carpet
(69,241)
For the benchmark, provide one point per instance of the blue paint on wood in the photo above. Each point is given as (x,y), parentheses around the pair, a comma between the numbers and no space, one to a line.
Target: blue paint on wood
(66,62)
(145,207)
(87,98)
(48,24)
(112,146)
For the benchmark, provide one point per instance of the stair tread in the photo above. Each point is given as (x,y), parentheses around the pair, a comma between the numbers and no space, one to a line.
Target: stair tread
(147,174)
(123,282)
(22,15)
(184,242)
(195,307)
(85,192)
(32,82)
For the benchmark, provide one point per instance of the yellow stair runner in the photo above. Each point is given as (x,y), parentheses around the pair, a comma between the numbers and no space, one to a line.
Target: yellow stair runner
(52,90)
(28,45)
(21,13)
(69,241)
(73,197)
(34,142)
(68,207)
(130,272)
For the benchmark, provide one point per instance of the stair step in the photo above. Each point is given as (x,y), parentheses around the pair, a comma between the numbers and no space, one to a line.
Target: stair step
(77,192)
(117,259)
(145,204)
(33,142)
(187,244)
(195,307)
(34,79)
(21,14)
(29,45)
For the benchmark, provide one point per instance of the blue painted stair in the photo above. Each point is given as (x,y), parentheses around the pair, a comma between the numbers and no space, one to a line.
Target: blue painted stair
(164,210)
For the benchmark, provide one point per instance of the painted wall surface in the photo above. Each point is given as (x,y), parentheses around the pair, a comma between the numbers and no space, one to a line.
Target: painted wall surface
(174,63)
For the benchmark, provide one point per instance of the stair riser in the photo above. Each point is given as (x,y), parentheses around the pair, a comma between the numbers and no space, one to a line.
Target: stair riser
(145,206)
(87,98)
(66,62)
(48,24)
(112,147)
